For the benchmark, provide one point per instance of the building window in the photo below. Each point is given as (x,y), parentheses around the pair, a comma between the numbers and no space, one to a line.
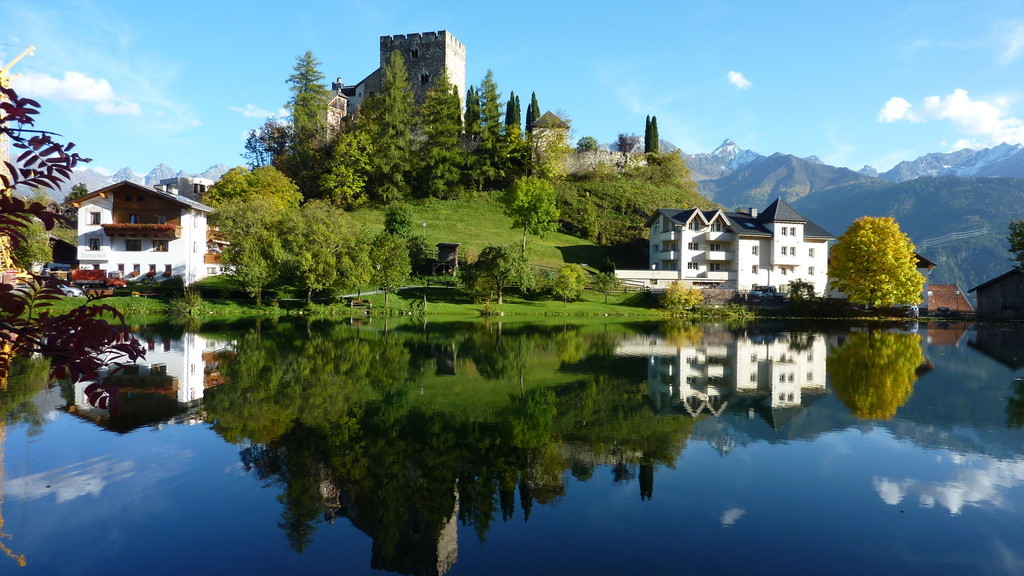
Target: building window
(414,53)
(120,268)
(693,246)
(693,226)
(136,269)
(211,271)
(159,245)
(152,269)
(715,267)
(753,250)
(716,226)
(195,247)
(94,243)
(133,218)
(133,245)
(811,270)
(161,219)
(784,230)
(424,78)
(754,269)
(167,270)
(792,230)
(715,247)
(94,217)
(691,265)
(785,271)
(810,252)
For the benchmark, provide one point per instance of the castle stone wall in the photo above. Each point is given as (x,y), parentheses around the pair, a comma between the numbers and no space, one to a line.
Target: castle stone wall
(426,56)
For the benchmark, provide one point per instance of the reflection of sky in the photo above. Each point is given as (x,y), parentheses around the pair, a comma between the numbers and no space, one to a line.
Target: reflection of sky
(730,516)
(980,480)
(80,479)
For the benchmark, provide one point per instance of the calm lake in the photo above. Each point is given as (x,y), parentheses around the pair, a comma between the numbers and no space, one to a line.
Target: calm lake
(288,447)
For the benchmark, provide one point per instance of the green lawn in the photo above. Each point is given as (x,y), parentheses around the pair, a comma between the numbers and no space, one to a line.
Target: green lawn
(478,222)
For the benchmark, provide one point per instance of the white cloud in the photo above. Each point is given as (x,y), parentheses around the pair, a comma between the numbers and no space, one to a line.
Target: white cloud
(251,111)
(738,80)
(77,87)
(983,123)
(896,109)
(1011,37)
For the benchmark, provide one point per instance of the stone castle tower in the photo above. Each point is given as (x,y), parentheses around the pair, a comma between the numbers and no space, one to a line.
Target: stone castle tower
(427,55)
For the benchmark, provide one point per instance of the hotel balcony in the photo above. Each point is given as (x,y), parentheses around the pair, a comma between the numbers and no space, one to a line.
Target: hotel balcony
(211,258)
(720,256)
(169,231)
(669,255)
(720,236)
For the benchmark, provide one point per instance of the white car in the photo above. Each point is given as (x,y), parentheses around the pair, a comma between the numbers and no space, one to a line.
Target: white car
(70,290)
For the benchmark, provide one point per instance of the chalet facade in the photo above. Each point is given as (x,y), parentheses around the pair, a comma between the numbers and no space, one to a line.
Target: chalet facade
(141,231)
(735,250)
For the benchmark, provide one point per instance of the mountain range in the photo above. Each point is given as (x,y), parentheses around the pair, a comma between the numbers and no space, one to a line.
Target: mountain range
(955,206)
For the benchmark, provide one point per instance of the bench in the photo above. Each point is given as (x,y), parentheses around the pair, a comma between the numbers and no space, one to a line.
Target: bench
(360,303)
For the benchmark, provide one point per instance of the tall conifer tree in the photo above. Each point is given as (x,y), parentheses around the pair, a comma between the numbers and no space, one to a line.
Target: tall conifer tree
(442,157)
(307,147)
(388,115)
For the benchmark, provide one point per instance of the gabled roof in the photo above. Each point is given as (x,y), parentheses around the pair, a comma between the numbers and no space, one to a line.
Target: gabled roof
(117,187)
(549,120)
(997,279)
(744,223)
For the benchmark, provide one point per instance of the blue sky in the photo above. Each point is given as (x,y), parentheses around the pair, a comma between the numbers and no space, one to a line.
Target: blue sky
(874,82)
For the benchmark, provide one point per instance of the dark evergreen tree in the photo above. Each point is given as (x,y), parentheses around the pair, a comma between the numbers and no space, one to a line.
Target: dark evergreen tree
(308,136)
(532,113)
(442,159)
(647,135)
(388,115)
(655,138)
(472,113)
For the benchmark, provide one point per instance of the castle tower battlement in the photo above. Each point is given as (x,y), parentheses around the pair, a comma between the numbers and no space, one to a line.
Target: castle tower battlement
(427,55)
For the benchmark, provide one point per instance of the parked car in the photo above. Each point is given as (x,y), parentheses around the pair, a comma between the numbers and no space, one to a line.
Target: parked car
(908,310)
(70,290)
(762,292)
(942,311)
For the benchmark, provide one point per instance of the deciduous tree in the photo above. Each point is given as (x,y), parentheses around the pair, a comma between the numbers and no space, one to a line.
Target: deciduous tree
(606,283)
(389,258)
(570,282)
(874,264)
(530,202)
(679,297)
(268,182)
(497,268)
(255,256)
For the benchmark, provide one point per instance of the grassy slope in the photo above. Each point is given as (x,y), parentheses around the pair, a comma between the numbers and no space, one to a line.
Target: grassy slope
(478,222)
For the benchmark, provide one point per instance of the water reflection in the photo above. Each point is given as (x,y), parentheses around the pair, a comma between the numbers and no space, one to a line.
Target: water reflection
(419,435)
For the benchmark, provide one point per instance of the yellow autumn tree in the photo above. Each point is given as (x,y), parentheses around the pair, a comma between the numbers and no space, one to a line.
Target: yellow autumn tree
(874,373)
(874,263)
(679,297)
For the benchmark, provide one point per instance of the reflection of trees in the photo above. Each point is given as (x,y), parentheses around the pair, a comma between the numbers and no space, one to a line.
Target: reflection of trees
(873,373)
(1015,405)
(27,377)
(327,416)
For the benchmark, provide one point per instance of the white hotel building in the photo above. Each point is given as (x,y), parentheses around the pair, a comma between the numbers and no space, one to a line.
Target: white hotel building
(734,250)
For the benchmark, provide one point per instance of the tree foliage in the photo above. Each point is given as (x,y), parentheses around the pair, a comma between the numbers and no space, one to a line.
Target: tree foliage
(308,148)
(256,254)
(570,281)
(1016,239)
(389,258)
(531,204)
(873,373)
(606,283)
(388,116)
(442,157)
(497,268)
(243,184)
(874,263)
(87,338)
(679,297)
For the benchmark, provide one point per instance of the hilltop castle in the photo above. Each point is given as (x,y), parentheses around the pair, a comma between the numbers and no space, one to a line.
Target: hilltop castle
(427,55)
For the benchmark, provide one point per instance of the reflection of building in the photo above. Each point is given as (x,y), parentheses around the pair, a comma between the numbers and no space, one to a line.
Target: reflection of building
(724,370)
(166,385)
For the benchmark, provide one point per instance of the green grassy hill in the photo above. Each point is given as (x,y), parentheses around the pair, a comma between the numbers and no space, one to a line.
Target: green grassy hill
(478,222)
